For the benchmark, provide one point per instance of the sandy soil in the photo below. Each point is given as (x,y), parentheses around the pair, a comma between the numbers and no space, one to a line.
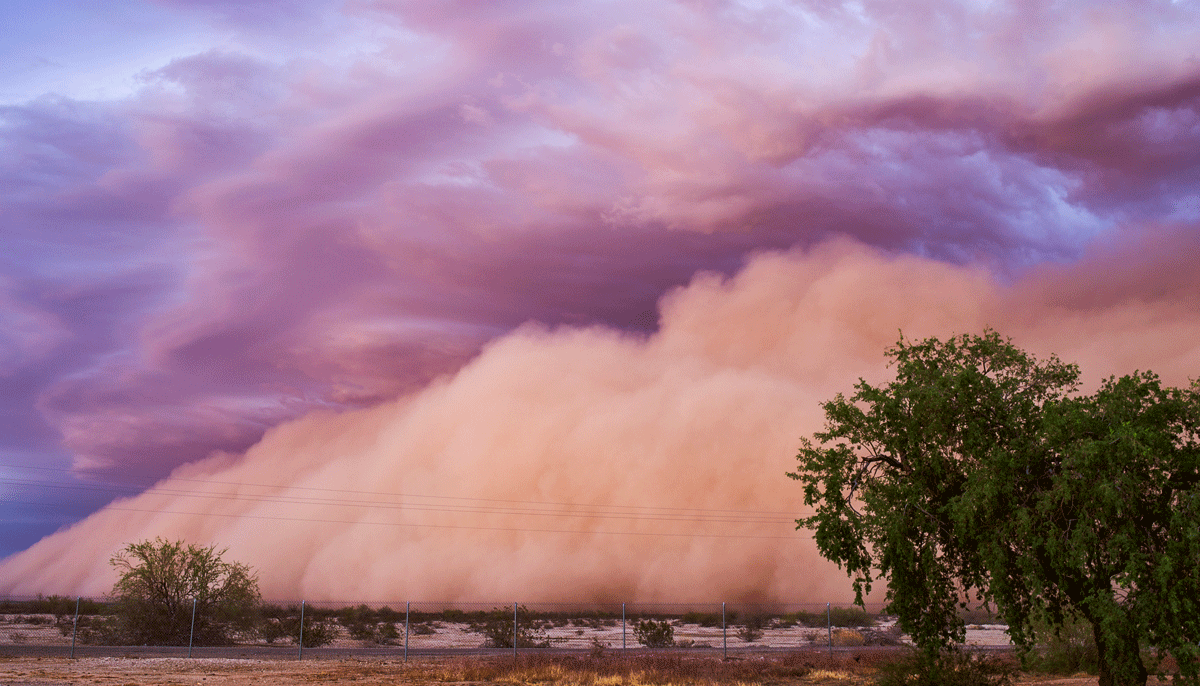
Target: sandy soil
(19,668)
(211,671)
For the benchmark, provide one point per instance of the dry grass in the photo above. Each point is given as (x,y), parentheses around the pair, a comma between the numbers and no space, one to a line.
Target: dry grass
(657,670)
(794,669)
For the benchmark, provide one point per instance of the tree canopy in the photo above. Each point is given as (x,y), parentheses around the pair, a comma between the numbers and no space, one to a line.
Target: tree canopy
(159,583)
(981,473)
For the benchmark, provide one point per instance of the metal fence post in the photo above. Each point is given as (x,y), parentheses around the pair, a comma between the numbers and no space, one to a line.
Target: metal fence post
(407,611)
(300,654)
(829,627)
(514,629)
(724,634)
(622,627)
(192,635)
(74,627)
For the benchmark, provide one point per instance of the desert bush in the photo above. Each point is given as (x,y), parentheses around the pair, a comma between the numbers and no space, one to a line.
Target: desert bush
(51,605)
(882,637)
(497,626)
(599,648)
(846,638)
(387,614)
(317,632)
(271,629)
(363,624)
(837,616)
(422,629)
(92,629)
(709,619)
(386,633)
(1070,649)
(654,634)
(952,668)
(596,622)
(751,630)
(65,624)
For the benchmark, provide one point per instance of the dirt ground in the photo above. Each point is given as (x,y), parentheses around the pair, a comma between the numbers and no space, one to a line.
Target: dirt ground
(120,671)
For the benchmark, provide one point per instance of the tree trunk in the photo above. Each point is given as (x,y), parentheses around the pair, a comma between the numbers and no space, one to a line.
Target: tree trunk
(1120,658)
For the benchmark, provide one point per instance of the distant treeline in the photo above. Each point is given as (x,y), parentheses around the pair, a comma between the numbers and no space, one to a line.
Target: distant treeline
(359,614)
(53,605)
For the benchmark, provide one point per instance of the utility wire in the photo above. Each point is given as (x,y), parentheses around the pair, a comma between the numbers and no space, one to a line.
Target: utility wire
(444,526)
(639,510)
(584,511)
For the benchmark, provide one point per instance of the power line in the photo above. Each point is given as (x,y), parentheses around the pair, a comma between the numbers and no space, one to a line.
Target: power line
(444,526)
(642,509)
(585,511)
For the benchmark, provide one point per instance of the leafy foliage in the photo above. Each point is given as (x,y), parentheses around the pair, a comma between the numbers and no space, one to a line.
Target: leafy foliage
(1069,648)
(497,626)
(159,580)
(362,624)
(654,634)
(751,629)
(271,629)
(950,668)
(835,616)
(979,470)
(317,631)
(709,619)
(52,605)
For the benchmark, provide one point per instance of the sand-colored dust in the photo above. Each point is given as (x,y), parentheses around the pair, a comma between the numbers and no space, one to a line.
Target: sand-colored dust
(589,465)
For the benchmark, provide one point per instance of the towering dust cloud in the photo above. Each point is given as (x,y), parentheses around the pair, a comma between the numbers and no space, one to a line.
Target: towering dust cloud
(586,464)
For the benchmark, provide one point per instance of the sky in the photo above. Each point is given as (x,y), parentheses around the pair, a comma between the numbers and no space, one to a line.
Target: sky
(378,293)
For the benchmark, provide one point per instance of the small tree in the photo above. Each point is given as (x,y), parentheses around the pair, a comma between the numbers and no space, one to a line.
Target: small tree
(159,582)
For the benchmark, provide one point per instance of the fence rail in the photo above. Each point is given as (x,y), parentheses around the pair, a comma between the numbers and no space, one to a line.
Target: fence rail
(296,629)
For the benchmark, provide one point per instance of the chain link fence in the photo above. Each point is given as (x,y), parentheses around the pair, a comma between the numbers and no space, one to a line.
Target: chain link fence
(59,625)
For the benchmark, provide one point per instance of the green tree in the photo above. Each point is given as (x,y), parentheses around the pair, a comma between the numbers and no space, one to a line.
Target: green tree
(980,472)
(160,580)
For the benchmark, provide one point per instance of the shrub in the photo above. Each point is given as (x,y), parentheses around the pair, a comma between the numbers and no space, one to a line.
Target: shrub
(708,619)
(317,632)
(363,624)
(953,668)
(751,630)
(91,630)
(386,633)
(883,637)
(599,648)
(422,629)
(1068,650)
(497,626)
(271,630)
(654,634)
(846,638)
(837,616)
